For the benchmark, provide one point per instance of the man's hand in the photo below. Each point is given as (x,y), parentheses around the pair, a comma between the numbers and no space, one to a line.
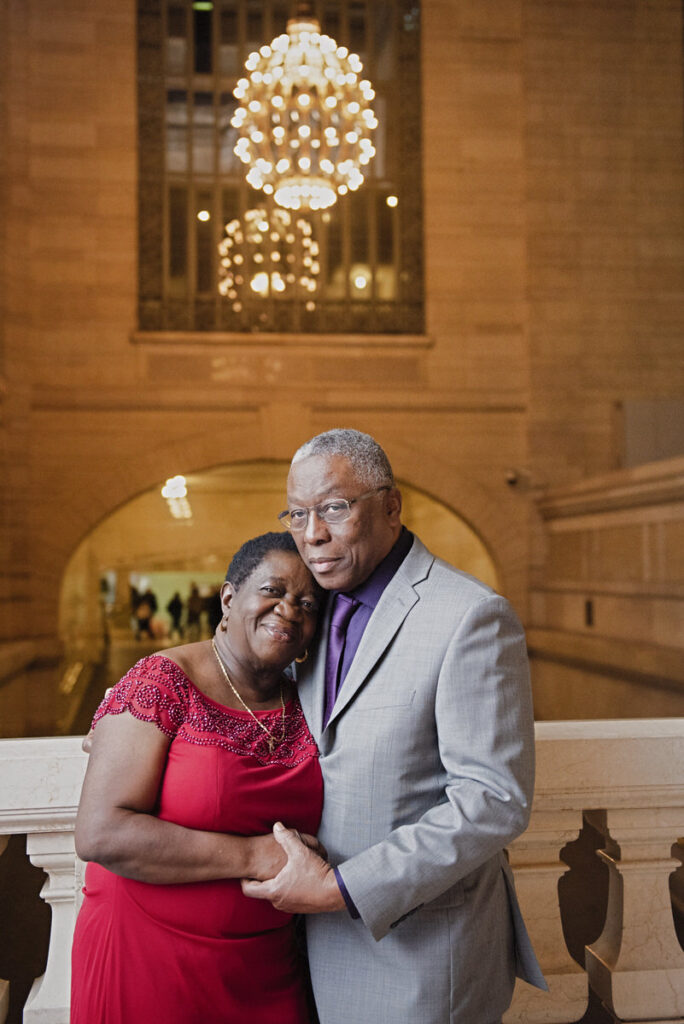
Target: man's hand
(305,885)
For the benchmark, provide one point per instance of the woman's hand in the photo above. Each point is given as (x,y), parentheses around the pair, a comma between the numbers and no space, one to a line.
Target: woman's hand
(314,844)
(266,856)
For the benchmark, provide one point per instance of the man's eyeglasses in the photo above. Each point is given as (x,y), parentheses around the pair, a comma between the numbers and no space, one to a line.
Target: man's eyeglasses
(332,511)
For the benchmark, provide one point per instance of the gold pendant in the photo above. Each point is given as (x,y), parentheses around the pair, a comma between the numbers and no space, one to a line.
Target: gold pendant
(270,744)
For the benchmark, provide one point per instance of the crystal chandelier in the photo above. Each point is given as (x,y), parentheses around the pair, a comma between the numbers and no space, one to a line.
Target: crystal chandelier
(304,120)
(268,253)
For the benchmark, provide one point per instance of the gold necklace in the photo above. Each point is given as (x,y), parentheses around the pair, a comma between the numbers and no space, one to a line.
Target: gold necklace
(272,740)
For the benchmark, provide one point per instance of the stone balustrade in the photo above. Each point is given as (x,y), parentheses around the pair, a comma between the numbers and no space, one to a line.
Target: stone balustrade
(40,783)
(625,777)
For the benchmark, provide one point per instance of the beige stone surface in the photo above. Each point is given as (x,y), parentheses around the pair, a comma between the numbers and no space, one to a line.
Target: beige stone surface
(554,255)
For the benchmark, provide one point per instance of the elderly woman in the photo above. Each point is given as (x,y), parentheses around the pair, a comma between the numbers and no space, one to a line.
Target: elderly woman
(195,754)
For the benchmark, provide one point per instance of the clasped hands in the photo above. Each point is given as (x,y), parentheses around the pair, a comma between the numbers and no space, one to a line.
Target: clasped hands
(306,883)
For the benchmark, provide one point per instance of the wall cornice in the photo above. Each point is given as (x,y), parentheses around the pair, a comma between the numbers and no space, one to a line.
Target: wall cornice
(654,484)
(214,395)
(192,340)
(629,659)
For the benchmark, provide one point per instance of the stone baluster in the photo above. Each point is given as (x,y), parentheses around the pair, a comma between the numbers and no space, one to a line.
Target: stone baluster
(49,999)
(537,867)
(636,966)
(4,985)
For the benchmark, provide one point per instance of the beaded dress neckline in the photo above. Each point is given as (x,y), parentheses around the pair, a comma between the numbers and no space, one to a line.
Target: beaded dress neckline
(158,690)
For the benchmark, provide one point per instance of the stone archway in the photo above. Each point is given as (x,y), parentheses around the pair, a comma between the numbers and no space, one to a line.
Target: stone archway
(238,436)
(227,504)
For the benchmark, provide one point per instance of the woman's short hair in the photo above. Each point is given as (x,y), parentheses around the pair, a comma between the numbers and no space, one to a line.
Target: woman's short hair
(252,553)
(368,460)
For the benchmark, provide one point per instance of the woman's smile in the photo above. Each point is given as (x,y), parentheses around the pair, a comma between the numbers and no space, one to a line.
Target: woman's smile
(280,633)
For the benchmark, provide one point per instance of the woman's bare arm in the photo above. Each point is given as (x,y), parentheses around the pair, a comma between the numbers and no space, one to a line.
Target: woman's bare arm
(116,827)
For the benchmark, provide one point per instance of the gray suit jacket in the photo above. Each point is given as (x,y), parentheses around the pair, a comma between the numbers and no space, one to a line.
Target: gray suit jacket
(428,764)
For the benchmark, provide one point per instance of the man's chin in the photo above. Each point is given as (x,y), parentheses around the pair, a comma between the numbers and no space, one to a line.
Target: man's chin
(332,578)
(327,582)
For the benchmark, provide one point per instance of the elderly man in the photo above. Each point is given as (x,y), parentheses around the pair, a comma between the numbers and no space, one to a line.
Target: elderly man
(419,699)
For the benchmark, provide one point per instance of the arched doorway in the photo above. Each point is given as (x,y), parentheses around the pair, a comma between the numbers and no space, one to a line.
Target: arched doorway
(149,542)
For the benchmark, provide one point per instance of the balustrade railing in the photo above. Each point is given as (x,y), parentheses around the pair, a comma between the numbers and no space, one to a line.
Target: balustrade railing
(625,777)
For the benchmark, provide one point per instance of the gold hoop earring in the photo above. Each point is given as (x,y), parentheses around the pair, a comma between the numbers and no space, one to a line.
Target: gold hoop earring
(305,655)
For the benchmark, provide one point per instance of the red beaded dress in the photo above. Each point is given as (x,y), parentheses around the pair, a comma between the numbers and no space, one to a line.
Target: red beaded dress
(201,952)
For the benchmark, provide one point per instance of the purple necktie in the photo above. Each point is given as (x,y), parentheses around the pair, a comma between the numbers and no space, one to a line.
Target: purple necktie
(343,609)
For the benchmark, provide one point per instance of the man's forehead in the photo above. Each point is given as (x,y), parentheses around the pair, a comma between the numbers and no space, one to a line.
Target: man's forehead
(318,476)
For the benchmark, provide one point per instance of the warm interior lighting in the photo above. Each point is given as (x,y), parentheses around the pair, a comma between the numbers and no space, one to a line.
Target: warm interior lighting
(360,276)
(304,120)
(175,487)
(175,491)
(392,201)
(203,215)
(268,253)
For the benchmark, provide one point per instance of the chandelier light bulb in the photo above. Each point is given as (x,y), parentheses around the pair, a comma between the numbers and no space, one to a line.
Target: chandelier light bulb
(304,93)
(259,283)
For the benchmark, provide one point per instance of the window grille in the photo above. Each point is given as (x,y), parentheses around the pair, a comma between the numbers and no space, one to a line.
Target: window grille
(190,56)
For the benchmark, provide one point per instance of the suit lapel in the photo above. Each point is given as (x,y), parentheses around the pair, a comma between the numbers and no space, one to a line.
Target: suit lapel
(397,600)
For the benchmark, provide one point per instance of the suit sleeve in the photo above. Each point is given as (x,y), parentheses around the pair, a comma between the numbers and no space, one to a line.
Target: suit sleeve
(485,732)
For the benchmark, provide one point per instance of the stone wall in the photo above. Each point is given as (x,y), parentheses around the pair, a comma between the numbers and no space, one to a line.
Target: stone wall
(605,204)
(607,622)
(554,240)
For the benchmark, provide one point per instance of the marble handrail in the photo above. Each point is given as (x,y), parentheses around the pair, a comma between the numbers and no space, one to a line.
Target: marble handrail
(627,776)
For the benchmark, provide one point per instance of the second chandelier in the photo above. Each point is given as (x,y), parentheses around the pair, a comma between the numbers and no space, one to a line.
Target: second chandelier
(304,119)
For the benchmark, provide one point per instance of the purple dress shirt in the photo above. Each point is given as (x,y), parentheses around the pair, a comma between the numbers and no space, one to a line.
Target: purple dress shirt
(367,595)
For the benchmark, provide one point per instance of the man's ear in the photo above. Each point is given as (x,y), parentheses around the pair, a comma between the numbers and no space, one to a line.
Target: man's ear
(393,504)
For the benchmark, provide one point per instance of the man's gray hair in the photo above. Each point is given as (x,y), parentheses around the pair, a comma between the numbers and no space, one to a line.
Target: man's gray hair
(368,460)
